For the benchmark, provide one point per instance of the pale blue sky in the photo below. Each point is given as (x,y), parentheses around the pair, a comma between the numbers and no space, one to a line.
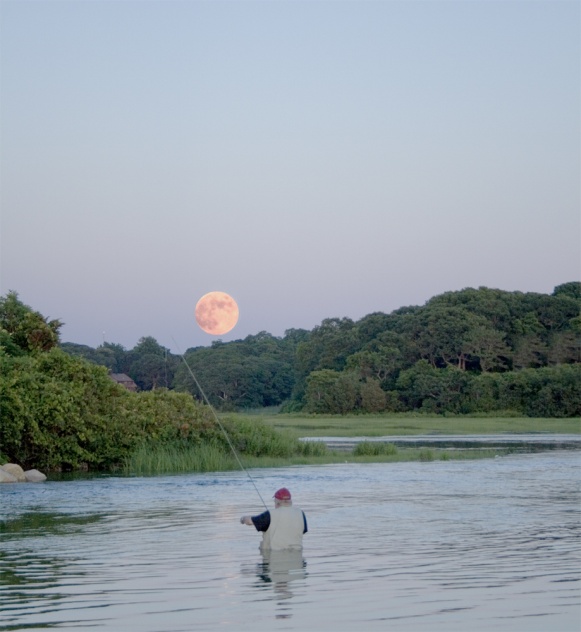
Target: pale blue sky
(312,159)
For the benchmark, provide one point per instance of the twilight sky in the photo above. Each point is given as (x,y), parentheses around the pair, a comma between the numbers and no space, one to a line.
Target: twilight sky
(313,159)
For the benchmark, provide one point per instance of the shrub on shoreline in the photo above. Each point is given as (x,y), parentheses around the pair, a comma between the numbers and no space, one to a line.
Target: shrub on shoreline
(60,413)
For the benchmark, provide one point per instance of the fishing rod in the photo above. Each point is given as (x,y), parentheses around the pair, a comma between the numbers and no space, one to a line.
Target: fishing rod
(183,357)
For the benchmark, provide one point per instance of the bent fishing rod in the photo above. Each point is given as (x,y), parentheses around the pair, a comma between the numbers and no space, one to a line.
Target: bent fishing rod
(183,357)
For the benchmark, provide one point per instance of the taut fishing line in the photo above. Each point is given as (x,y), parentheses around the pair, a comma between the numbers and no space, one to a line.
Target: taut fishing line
(219,423)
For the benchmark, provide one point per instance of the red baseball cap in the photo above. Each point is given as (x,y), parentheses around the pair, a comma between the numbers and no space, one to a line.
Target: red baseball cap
(282,494)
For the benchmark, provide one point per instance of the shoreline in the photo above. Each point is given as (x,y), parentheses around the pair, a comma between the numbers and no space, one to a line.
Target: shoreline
(534,442)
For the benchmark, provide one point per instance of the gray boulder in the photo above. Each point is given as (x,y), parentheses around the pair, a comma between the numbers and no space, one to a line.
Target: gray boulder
(15,470)
(6,477)
(34,476)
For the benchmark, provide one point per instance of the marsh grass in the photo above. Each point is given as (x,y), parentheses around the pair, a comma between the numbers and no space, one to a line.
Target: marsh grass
(371,448)
(252,437)
(172,459)
(155,459)
(426,454)
(272,441)
(408,424)
(255,445)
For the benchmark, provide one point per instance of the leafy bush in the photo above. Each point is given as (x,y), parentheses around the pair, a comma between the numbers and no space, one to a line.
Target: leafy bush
(545,392)
(61,413)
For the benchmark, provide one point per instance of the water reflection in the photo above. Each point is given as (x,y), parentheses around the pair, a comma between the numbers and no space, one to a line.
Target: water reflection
(44,523)
(279,569)
(30,579)
(282,567)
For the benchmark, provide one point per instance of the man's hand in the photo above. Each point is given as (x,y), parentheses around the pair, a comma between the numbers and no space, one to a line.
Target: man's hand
(246,520)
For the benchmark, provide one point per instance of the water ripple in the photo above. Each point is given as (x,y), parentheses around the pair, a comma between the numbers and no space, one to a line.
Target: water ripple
(420,546)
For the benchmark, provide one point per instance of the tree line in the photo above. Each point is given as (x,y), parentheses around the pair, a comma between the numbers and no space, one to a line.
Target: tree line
(468,351)
(59,412)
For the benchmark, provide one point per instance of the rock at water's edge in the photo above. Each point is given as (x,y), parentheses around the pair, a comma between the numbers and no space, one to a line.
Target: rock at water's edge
(16,471)
(6,477)
(34,476)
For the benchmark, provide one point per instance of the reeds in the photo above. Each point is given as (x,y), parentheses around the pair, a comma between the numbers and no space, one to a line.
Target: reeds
(256,445)
(259,445)
(154,458)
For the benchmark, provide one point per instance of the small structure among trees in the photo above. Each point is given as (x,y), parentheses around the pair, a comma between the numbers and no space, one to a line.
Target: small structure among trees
(124,380)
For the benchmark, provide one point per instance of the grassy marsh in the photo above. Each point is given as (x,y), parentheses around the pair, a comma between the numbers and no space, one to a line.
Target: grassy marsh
(302,425)
(264,441)
(157,460)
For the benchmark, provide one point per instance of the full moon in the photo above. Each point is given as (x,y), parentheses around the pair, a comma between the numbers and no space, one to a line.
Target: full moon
(216,313)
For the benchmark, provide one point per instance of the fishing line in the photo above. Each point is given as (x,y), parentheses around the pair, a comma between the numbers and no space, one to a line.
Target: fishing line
(219,423)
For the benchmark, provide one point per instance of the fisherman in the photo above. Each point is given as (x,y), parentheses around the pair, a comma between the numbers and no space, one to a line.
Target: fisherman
(282,528)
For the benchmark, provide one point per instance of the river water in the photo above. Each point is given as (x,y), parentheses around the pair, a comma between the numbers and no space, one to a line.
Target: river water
(438,546)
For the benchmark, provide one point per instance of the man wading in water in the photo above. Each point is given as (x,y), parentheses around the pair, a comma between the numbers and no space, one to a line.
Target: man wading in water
(282,528)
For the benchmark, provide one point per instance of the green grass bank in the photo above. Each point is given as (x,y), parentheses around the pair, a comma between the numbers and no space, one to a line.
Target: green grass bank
(409,424)
(272,440)
(154,460)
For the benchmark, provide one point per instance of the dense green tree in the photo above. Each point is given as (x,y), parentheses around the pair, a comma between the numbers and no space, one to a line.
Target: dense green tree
(148,345)
(555,312)
(328,346)
(116,356)
(332,392)
(150,364)
(275,359)
(374,364)
(543,392)
(564,347)
(571,289)
(496,306)
(373,325)
(530,352)
(24,330)
(149,371)
(319,391)
(249,373)
(8,346)
(527,324)
(105,355)
(434,390)
(58,412)
(293,337)
(487,346)
(373,397)
(442,335)
(483,393)
(383,357)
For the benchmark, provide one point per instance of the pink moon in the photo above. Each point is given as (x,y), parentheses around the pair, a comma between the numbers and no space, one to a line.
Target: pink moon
(217,313)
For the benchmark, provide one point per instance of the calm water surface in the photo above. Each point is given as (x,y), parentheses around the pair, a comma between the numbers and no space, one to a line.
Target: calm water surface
(440,546)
